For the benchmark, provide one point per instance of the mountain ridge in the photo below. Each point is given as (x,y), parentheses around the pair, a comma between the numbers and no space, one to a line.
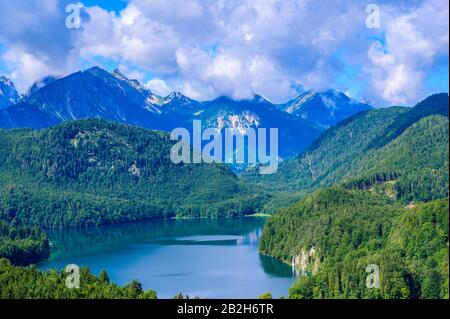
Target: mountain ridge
(359,205)
(325,108)
(97,93)
(347,154)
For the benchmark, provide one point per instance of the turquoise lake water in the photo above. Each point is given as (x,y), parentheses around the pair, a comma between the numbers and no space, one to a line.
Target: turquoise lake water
(205,258)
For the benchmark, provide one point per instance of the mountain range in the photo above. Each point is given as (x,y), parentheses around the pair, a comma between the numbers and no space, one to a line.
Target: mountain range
(371,189)
(96,93)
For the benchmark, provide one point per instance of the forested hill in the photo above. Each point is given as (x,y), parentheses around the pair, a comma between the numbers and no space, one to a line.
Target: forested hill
(339,232)
(92,172)
(388,206)
(404,148)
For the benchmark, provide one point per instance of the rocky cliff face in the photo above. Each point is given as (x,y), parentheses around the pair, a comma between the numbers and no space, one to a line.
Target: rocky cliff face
(306,261)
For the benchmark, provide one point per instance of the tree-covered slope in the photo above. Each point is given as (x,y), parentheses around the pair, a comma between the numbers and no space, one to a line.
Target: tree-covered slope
(436,104)
(387,205)
(351,229)
(23,245)
(348,152)
(31,283)
(95,172)
(416,162)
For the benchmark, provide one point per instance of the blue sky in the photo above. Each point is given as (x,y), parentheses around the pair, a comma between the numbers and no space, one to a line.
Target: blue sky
(207,48)
(109,5)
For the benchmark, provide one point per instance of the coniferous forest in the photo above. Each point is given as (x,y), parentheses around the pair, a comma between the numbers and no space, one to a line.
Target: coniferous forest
(381,198)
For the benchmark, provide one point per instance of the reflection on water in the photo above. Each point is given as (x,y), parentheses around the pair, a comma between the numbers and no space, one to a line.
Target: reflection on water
(208,258)
(82,241)
(275,268)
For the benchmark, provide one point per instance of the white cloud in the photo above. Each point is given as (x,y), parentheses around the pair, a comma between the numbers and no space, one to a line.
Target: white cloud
(207,48)
(158,87)
(26,66)
(266,77)
(36,41)
(129,15)
(396,82)
(412,41)
(228,75)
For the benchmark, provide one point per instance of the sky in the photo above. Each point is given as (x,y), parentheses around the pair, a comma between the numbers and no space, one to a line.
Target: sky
(382,52)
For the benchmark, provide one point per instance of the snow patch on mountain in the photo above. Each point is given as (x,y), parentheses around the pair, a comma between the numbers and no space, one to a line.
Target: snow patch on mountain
(299,101)
(152,101)
(238,122)
(323,109)
(177,99)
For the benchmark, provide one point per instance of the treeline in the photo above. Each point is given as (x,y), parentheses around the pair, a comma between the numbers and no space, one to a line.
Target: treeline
(333,155)
(436,104)
(351,229)
(23,245)
(31,283)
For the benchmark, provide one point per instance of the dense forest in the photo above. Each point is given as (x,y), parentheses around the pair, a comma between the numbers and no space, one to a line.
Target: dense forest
(416,163)
(388,206)
(93,172)
(29,282)
(23,245)
(372,190)
(351,229)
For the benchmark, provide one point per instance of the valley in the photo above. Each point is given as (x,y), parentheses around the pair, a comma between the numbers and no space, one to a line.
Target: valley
(95,185)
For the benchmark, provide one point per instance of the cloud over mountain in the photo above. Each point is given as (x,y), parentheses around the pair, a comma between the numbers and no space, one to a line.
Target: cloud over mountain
(211,48)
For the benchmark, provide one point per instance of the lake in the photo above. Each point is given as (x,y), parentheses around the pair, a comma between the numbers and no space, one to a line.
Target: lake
(205,258)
